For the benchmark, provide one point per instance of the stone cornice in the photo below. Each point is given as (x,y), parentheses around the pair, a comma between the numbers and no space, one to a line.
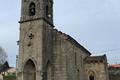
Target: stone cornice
(41,18)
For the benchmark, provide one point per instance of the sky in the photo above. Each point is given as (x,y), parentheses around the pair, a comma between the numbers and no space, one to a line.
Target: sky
(95,24)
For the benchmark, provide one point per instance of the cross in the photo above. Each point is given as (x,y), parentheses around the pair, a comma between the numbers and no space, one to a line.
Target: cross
(31,36)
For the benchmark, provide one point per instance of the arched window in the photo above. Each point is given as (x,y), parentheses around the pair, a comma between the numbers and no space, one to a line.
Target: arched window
(32,9)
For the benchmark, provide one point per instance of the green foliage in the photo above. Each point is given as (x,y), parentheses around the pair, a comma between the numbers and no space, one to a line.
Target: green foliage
(114,73)
(10,76)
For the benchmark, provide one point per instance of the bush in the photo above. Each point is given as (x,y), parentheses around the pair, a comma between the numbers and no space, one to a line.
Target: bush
(9,76)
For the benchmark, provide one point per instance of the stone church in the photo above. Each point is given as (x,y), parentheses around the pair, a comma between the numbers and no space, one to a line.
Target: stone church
(48,54)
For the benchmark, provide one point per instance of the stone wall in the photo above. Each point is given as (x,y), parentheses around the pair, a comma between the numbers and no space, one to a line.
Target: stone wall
(97,66)
(67,58)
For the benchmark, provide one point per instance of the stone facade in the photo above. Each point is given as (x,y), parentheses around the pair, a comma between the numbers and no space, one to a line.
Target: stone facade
(96,66)
(46,53)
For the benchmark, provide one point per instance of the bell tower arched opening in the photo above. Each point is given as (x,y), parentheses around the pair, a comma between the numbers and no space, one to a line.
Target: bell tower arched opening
(32,9)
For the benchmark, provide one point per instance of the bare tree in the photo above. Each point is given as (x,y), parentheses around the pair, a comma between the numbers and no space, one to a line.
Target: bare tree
(3,56)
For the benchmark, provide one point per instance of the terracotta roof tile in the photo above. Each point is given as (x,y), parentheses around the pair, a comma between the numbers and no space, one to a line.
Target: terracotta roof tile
(115,65)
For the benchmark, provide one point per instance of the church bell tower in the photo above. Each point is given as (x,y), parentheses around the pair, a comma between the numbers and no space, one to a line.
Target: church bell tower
(35,42)
(37,9)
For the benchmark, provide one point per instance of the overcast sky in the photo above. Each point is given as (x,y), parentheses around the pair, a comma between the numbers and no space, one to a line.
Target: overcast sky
(95,24)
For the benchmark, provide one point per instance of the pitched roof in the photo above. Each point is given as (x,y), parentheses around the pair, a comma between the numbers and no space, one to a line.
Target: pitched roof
(11,70)
(115,65)
(72,40)
(102,57)
(4,67)
(96,59)
(77,44)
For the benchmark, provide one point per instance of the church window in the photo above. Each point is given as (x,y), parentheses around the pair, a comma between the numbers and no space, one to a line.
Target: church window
(78,74)
(81,61)
(75,59)
(32,9)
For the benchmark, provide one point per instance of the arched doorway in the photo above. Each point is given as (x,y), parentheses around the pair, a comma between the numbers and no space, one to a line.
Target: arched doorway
(29,71)
(91,75)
